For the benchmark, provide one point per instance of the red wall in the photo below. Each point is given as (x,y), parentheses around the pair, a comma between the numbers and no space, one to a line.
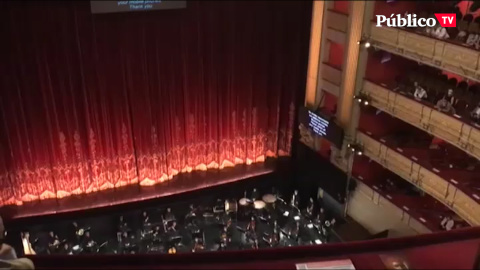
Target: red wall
(335,55)
(458,77)
(329,102)
(341,6)
(397,7)
(386,72)
(381,124)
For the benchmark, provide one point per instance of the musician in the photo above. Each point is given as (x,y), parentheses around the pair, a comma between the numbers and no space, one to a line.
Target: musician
(327,228)
(53,242)
(229,223)
(295,231)
(273,239)
(255,195)
(251,227)
(294,200)
(310,207)
(169,216)
(145,218)
(198,245)
(75,237)
(122,225)
(219,206)
(222,246)
(276,226)
(321,216)
(172,227)
(87,241)
(66,249)
(225,236)
(255,243)
(156,232)
(27,245)
(190,217)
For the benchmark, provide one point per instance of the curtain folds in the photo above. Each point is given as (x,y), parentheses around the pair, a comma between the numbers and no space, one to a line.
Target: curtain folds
(92,102)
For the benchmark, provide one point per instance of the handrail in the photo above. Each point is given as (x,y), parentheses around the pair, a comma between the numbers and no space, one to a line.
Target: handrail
(442,54)
(263,255)
(384,197)
(428,179)
(422,115)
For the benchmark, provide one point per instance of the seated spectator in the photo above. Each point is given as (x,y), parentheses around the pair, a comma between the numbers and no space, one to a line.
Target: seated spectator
(475,114)
(472,39)
(451,98)
(445,106)
(428,29)
(443,222)
(449,225)
(438,32)
(420,92)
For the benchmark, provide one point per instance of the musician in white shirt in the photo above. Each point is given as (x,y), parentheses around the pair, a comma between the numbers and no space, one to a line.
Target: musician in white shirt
(420,92)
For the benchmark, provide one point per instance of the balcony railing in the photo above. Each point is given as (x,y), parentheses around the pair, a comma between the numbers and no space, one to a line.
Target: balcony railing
(437,53)
(444,190)
(384,202)
(450,128)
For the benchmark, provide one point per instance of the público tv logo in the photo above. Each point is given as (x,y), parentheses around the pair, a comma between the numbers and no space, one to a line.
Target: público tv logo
(411,20)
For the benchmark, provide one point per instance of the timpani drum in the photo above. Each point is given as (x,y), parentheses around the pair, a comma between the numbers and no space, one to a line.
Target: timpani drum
(259,205)
(231,206)
(270,200)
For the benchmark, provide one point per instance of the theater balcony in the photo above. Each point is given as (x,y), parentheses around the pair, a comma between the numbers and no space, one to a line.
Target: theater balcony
(390,87)
(439,169)
(410,205)
(455,249)
(457,51)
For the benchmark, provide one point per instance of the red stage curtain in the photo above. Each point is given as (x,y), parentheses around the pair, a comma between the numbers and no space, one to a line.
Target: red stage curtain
(91,102)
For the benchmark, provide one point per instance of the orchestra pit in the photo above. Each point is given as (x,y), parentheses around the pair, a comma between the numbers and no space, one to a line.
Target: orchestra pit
(240,134)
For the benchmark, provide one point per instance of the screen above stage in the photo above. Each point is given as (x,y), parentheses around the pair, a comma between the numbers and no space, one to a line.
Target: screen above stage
(139,5)
(322,125)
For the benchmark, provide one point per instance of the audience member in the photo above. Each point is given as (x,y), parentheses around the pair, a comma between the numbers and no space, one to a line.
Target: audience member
(475,114)
(447,223)
(445,106)
(438,32)
(451,98)
(420,93)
